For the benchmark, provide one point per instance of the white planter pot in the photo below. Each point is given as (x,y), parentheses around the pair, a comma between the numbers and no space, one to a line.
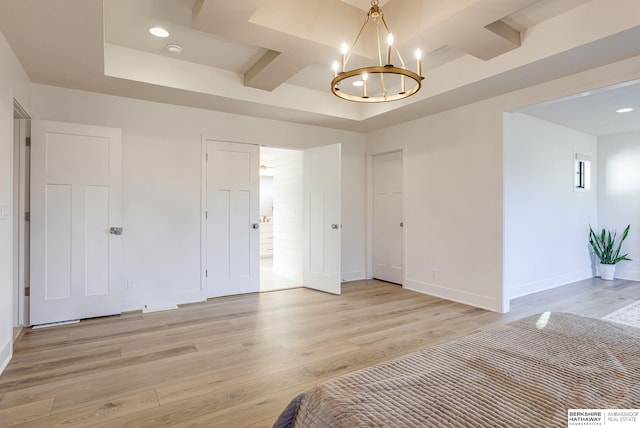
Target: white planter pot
(607,271)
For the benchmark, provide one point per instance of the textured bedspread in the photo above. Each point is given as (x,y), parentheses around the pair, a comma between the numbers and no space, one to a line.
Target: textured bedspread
(524,374)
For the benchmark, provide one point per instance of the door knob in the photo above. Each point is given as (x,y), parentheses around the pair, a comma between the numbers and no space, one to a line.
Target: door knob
(402,224)
(115,231)
(334,226)
(255,226)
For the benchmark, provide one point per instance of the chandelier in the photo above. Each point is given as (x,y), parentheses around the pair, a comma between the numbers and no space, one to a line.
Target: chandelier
(383,81)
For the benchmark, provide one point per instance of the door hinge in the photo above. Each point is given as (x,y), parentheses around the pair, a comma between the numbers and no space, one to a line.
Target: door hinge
(206,215)
(27,141)
(27,291)
(206,156)
(206,273)
(27,216)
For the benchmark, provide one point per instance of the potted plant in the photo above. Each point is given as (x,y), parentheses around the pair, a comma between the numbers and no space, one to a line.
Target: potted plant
(605,249)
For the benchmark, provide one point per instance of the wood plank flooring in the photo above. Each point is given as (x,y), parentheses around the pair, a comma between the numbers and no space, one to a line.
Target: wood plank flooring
(237,361)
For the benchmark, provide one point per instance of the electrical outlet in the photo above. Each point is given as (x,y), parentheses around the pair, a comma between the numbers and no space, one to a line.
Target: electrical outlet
(131,285)
(434,273)
(4,212)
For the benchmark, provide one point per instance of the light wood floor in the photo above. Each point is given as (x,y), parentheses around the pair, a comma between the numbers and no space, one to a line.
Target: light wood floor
(237,361)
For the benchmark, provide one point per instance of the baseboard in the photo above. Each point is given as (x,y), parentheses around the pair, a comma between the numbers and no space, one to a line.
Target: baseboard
(149,308)
(139,302)
(464,297)
(353,276)
(18,334)
(627,274)
(5,355)
(546,284)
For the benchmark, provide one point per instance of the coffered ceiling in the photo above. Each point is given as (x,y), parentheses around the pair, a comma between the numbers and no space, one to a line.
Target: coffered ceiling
(272,58)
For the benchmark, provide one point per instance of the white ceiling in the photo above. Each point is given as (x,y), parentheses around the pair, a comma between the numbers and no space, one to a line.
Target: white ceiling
(594,112)
(271,58)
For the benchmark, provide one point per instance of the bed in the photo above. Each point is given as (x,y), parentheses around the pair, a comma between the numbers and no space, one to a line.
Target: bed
(523,374)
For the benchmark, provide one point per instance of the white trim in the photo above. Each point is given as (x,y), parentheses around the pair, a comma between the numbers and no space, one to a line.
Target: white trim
(19,224)
(178,298)
(548,283)
(203,217)
(18,111)
(158,308)
(55,323)
(464,297)
(6,354)
(353,276)
(405,180)
(368,238)
(506,130)
(627,274)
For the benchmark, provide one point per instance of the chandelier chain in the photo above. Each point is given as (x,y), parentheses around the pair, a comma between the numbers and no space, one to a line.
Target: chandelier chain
(382,86)
(355,42)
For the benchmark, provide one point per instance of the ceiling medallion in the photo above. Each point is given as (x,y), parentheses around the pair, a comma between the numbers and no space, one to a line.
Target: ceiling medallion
(383,81)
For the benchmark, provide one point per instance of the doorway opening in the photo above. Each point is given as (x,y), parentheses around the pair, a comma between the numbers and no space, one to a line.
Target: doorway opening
(304,213)
(281,218)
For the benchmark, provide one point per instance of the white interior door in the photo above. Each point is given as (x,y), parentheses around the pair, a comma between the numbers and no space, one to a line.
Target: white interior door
(76,265)
(387,217)
(232,218)
(322,224)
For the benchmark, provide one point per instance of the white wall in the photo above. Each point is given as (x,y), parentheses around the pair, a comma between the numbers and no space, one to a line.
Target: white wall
(266,196)
(161,180)
(545,220)
(619,195)
(453,203)
(14,83)
(453,198)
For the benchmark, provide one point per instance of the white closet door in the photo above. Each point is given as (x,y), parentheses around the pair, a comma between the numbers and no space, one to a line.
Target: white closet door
(387,217)
(233,202)
(76,264)
(322,224)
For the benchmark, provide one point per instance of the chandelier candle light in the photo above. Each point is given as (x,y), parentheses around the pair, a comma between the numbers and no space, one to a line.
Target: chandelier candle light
(383,75)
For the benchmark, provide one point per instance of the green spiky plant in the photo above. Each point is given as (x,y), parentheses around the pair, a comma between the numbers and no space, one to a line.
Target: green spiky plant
(604,246)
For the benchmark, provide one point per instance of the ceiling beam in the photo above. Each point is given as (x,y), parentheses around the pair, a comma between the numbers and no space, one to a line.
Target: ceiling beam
(273,69)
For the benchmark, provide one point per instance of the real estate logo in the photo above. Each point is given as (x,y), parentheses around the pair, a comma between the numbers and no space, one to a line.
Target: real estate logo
(603,417)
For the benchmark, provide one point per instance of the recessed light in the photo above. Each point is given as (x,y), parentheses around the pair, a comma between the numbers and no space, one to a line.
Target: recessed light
(173,48)
(624,110)
(159,32)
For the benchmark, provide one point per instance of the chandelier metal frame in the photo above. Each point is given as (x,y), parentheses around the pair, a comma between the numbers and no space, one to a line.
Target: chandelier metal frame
(341,73)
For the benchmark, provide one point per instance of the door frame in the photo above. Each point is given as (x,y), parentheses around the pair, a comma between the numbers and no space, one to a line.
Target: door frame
(20,224)
(369,211)
(203,205)
(203,216)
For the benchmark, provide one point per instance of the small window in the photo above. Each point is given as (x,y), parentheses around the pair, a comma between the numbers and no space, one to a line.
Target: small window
(582,180)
